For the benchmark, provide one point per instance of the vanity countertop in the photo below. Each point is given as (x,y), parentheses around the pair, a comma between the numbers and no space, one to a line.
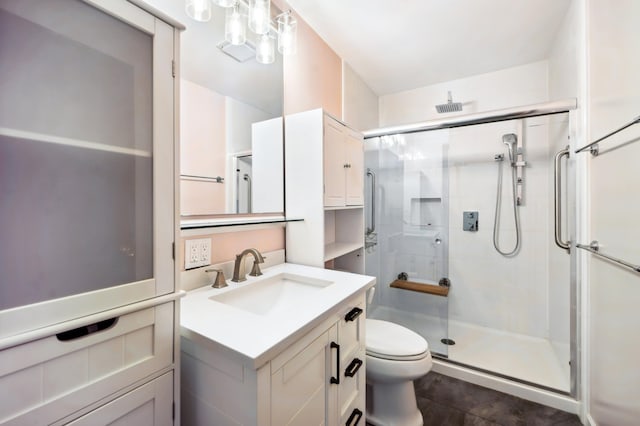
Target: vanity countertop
(254,339)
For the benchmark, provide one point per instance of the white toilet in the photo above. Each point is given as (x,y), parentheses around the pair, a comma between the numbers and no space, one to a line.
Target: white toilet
(395,357)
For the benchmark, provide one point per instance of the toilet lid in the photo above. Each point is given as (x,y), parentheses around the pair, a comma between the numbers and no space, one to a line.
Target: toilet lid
(392,341)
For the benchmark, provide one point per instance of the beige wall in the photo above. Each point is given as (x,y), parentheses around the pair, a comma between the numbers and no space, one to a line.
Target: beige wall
(359,103)
(202,148)
(225,246)
(313,76)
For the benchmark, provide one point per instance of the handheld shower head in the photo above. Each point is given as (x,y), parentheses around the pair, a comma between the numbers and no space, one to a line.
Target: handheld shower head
(510,139)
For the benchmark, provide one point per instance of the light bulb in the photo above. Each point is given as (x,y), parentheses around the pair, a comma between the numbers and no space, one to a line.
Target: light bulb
(200,10)
(235,28)
(265,50)
(287,28)
(224,3)
(259,16)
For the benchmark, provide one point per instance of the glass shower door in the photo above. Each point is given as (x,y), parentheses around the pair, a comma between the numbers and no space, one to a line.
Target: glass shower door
(407,250)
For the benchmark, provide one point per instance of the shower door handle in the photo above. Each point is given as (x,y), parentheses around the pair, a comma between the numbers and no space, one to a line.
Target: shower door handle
(557,198)
(373,201)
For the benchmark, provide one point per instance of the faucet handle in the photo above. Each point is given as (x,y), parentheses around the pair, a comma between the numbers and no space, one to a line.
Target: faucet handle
(220,281)
(255,270)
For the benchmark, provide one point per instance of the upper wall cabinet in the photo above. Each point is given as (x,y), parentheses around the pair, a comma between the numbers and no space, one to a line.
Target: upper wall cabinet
(327,194)
(343,165)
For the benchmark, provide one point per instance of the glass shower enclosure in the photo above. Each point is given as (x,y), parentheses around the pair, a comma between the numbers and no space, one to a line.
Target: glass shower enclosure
(438,205)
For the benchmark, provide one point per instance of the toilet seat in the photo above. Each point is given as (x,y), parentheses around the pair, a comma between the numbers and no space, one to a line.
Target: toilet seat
(386,340)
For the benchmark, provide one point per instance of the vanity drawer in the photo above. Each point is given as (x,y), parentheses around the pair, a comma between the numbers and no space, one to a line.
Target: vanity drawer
(351,392)
(150,404)
(353,412)
(351,328)
(55,376)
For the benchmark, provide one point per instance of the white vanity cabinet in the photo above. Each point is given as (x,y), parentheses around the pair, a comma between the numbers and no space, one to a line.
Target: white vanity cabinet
(314,381)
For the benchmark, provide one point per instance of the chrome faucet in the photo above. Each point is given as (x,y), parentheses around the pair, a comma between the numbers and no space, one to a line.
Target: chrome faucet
(239,268)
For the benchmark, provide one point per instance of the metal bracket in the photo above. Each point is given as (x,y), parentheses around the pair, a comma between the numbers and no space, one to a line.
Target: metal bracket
(594,150)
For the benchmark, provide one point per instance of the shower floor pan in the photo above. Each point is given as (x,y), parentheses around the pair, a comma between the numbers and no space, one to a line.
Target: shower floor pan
(529,359)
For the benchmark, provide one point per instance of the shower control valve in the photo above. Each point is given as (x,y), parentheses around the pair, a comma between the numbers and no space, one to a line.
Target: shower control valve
(470,221)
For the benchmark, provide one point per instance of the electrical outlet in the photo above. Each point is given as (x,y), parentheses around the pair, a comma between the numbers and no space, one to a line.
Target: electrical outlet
(205,252)
(197,253)
(191,254)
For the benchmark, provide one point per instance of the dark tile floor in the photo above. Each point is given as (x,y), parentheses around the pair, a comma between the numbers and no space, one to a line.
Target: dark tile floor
(445,401)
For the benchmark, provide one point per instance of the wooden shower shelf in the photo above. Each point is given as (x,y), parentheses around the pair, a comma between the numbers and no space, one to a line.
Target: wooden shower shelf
(421,288)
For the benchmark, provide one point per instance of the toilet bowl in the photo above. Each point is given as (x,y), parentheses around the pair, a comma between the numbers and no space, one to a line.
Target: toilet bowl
(396,356)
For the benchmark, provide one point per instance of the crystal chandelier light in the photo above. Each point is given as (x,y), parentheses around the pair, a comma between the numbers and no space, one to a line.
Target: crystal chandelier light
(256,14)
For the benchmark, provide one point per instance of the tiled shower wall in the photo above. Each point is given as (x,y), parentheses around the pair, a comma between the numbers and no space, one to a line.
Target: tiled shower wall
(489,289)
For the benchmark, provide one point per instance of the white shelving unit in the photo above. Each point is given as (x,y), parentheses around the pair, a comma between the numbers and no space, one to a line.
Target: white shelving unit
(89,158)
(331,236)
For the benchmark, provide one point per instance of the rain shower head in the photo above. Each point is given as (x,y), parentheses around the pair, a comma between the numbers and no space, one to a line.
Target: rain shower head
(450,106)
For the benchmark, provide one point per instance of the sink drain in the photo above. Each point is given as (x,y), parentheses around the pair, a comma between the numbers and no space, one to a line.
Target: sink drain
(448,342)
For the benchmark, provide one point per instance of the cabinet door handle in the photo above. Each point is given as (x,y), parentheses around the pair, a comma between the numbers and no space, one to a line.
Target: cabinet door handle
(353,367)
(354,418)
(353,314)
(85,330)
(336,380)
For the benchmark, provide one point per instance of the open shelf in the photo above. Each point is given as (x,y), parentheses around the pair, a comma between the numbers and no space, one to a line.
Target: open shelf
(344,238)
(234,221)
(333,250)
(76,143)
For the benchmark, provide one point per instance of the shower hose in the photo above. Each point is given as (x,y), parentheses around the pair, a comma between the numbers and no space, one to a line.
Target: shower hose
(496,219)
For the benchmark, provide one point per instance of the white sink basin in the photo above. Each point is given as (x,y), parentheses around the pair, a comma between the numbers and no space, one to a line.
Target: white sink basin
(274,295)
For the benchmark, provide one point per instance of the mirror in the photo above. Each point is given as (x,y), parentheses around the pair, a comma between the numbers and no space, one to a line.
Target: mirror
(231,122)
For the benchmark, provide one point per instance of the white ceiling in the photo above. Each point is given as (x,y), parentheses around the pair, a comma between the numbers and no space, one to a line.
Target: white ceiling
(404,44)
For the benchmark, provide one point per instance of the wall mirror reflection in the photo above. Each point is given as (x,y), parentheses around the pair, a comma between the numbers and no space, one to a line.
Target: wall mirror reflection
(231,120)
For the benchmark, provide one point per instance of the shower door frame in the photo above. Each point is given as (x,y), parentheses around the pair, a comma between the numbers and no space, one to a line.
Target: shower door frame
(576,222)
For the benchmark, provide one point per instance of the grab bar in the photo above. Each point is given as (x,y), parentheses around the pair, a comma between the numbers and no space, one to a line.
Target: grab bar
(557,201)
(594,150)
(373,201)
(594,248)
